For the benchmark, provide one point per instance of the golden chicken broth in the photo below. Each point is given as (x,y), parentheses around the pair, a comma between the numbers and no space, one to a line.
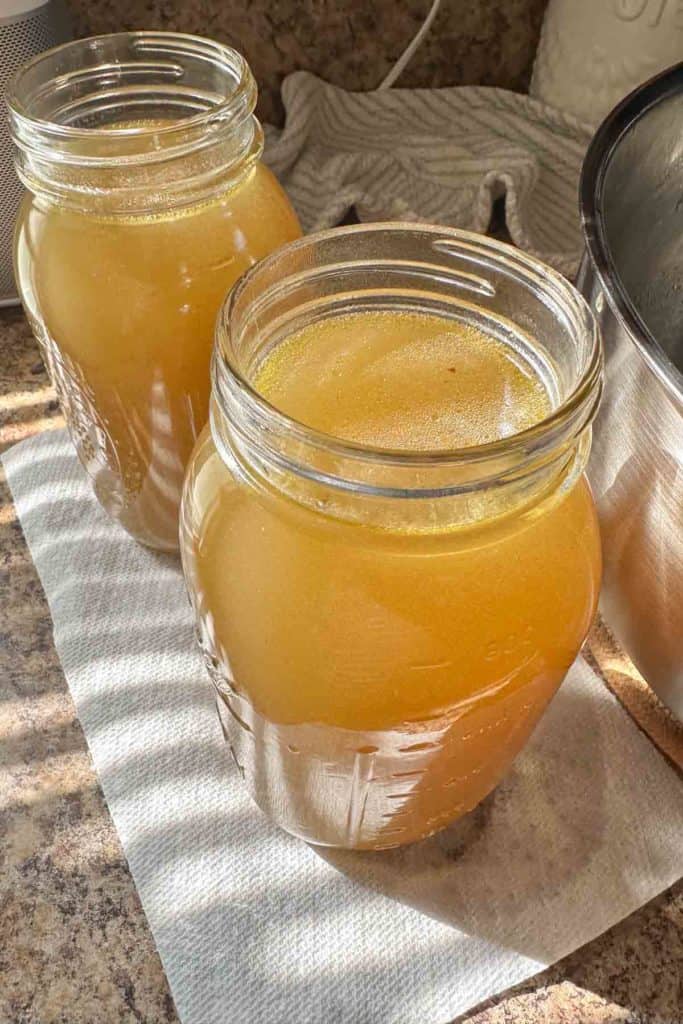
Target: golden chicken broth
(417,661)
(126,308)
(413,381)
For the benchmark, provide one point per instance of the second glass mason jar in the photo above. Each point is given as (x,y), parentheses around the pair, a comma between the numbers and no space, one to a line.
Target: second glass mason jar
(385,626)
(147,200)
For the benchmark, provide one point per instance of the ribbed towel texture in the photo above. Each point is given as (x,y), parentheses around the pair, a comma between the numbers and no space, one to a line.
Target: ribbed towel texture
(438,155)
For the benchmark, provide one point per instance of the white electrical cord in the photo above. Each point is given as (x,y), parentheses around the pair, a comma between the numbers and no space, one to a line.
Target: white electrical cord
(407,55)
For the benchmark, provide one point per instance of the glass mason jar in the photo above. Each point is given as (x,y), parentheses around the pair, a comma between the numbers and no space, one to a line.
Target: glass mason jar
(146,201)
(384,628)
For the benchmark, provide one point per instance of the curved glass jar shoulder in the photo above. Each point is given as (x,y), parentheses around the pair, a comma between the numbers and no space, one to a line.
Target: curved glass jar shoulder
(342,652)
(142,211)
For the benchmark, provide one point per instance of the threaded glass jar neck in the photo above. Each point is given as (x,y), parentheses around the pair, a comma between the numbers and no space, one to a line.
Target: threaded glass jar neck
(406,267)
(134,122)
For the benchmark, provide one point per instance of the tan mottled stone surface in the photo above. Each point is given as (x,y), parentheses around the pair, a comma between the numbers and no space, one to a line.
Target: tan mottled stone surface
(74,944)
(75,947)
(351,43)
(642,703)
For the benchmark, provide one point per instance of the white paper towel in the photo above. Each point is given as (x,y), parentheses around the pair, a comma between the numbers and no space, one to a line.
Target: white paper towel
(253,926)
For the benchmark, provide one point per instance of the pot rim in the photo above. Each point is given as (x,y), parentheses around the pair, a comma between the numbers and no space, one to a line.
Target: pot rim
(600,152)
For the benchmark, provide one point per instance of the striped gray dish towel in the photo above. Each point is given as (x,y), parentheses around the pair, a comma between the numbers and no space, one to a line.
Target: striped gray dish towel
(439,155)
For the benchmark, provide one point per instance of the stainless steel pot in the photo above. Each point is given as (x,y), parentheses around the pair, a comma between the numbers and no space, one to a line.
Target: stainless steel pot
(632,274)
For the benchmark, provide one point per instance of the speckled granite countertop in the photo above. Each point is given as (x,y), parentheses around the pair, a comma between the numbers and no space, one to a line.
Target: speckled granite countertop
(75,947)
(351,43)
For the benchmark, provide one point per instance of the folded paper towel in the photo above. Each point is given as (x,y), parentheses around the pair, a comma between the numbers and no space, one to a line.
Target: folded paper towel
(252,925)
(438,155)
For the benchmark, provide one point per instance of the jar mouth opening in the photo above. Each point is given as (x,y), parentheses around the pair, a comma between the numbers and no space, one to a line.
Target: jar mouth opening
(570,414)
(67,95)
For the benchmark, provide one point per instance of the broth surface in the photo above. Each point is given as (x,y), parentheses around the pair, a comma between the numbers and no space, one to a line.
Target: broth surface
(415,381)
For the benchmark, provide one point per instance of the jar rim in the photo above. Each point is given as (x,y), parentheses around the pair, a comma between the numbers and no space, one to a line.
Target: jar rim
(571,415)
(134,123)
(238,101)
